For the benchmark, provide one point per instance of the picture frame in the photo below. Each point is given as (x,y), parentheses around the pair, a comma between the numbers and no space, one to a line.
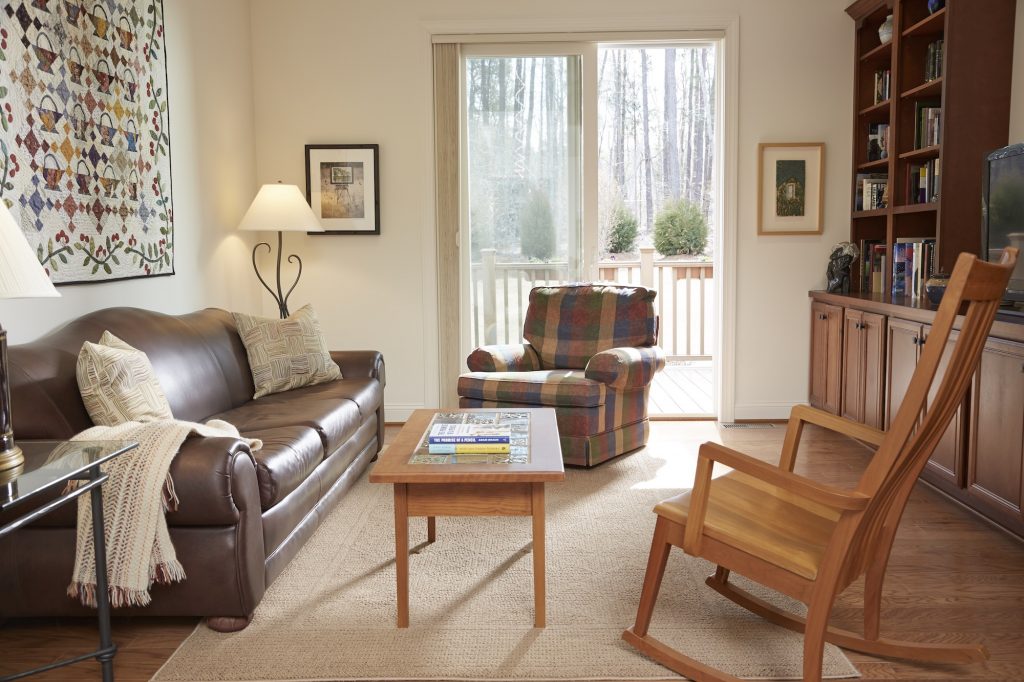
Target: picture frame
(343,187)
(790,188)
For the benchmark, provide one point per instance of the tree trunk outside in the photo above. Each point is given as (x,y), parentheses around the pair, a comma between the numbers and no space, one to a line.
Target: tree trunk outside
(648,179)
(670,153)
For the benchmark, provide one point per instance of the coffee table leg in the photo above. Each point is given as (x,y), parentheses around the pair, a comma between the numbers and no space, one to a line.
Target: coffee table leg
(431,529)
(402,552)
(539,585)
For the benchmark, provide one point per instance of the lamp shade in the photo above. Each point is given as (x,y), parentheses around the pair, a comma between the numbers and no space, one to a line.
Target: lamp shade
(21,275)
(280,208)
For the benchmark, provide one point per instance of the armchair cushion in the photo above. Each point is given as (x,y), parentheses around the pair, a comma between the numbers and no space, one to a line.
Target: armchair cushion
(551,388)
(624,368)
(520,357)
(567,325)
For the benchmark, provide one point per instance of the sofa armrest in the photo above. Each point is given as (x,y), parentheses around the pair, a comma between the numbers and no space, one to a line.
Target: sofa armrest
(360,363)
(515,357)
(627,367)
(215,480)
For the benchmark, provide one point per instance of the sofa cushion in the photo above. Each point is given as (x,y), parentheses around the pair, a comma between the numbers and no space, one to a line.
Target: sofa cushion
(364,392)
(118,384)
(286,354)
(334,419)
(288,457)
(554,388)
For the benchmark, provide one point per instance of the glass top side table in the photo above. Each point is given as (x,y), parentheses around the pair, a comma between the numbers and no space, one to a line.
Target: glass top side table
(49,466)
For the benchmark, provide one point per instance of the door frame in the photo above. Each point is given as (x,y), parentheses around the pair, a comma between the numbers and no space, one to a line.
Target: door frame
(724,30)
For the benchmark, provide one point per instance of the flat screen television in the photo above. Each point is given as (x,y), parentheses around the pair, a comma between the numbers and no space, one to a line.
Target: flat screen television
(1002,210)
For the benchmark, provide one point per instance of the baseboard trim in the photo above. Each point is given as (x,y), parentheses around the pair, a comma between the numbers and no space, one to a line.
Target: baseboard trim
(763,411)
(400,413)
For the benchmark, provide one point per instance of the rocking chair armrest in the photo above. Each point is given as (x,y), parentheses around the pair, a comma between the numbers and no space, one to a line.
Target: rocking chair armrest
(802,414)
(830,496)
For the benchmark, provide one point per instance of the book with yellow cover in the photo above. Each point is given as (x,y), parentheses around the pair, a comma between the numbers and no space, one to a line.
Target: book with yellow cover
(469,448)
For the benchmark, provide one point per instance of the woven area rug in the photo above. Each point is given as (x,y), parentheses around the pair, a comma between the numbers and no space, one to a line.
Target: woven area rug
(331,614)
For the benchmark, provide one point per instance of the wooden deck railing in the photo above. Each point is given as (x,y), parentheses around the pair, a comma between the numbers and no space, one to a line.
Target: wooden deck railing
(685,293)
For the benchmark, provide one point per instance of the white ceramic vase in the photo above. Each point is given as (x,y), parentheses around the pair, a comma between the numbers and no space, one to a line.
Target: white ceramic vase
(885,30)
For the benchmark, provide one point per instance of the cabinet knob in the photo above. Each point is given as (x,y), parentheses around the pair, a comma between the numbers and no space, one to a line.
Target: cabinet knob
(916,341)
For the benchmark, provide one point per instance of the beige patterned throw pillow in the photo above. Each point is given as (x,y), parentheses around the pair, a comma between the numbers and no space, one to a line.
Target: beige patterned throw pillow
(118,384)
(286,354)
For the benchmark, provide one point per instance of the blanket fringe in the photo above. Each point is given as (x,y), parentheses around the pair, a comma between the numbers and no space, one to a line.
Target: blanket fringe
(120,597)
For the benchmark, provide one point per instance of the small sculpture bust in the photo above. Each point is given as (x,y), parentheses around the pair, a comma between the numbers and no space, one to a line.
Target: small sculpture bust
(838,272)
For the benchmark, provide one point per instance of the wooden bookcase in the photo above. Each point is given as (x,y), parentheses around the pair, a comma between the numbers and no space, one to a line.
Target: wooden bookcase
(973,92)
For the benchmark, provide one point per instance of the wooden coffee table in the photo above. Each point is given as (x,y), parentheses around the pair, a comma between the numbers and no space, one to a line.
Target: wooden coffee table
(432,490)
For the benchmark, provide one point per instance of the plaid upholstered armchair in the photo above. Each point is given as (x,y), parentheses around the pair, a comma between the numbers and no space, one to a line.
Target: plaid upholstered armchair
(590,353)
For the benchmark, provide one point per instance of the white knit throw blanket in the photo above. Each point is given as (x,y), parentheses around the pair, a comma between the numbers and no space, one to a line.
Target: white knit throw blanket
(135,499)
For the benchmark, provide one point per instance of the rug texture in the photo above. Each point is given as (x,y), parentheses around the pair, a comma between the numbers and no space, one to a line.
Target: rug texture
(331,613)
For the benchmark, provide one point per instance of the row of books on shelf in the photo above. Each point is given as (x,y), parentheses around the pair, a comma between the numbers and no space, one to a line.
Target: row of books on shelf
(933,60)
(878,141)
(872,191)
(912,263)
(928,122)
(923,180)
(883,82)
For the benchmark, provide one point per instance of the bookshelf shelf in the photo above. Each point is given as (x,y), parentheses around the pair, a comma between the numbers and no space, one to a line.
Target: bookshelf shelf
(873,213)
(949,75)
(933,24)
(880,108)
(932,88)
(873,165)
(879,54)
(922,153)
(930,206)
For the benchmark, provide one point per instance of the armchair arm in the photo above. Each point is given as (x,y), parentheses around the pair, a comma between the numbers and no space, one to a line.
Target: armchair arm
(805,413)
(626,367)
(830,496)
(518,357)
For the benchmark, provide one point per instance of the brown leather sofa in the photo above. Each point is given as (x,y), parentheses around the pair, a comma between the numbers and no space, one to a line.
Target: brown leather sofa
(242,516)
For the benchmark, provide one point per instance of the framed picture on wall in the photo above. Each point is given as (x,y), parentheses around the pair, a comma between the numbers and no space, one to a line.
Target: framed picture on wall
(790,184)
(343,187)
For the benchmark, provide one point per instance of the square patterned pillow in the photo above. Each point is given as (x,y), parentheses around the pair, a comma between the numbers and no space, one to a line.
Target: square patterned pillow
(118,383)
(286,354)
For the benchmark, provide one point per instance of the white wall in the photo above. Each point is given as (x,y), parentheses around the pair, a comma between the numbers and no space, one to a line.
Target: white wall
(1017,95)
(359,71)
(211,126)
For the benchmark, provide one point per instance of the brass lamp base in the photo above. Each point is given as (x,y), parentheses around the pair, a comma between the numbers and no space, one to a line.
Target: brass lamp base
(11,458)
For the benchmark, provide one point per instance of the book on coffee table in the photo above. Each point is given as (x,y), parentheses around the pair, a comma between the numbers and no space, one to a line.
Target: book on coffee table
(480,437)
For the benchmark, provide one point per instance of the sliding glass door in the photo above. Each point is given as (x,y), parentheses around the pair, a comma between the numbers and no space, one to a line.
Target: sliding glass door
(522,184)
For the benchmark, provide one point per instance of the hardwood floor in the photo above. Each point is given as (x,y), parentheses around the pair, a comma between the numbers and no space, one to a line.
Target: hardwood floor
(952,577)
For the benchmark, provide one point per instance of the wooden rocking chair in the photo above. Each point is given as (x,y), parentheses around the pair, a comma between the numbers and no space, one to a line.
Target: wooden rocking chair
(811,541)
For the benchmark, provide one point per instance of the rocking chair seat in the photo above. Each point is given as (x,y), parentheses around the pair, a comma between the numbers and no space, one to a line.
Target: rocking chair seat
(763,520)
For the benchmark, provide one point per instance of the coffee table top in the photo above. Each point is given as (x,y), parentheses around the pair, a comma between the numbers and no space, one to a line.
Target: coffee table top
(545,461)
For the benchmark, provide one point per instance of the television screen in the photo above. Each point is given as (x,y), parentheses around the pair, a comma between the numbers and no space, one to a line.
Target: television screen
(1003,210)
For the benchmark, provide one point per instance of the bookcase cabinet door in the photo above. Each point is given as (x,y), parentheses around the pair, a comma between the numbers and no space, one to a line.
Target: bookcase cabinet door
(863,387)
(826,353)
(904,343)
(996,450)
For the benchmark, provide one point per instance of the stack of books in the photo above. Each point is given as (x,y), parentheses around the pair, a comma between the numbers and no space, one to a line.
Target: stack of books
(913,262)
(873,263)
(933,60)
(923,182)
(878,141)
(872,191)
(469,439)
(883,79)
(928,121)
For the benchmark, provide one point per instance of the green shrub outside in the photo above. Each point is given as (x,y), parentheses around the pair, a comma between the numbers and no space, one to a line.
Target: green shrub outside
(623,232)
(537,227)
(680,228)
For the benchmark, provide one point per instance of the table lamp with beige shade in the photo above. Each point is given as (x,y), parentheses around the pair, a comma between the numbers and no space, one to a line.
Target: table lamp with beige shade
(280,208)
(21,276)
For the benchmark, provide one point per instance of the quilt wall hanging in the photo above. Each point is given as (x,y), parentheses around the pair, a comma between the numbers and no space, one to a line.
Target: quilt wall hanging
(86,149)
